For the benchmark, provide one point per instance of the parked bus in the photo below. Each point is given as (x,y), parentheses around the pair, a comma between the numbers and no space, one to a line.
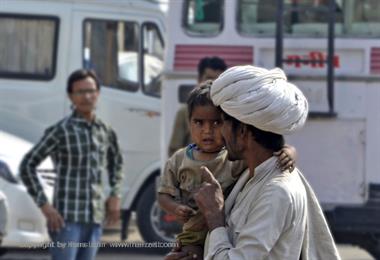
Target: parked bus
(331,50)
(43,41)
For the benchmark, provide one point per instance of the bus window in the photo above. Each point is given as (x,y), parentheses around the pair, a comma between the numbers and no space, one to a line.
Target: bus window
(203,17)
(111,48)
(153,51)
(257,17)
(365,18)
(28,46)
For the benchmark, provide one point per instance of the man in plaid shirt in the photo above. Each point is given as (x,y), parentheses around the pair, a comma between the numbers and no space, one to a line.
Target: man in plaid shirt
(82,148)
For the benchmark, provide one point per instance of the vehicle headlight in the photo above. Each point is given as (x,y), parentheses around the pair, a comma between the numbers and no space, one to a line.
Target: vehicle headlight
(6,173)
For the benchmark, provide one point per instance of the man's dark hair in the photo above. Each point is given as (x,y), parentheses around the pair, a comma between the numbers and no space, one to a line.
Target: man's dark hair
(214,63)
(80,75)
(199,96)
(268,140)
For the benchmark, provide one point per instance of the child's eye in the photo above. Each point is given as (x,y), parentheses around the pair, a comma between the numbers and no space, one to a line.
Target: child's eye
(217,123)
(197,122)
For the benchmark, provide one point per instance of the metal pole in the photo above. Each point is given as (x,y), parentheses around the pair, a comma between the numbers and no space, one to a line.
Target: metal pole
(330,57)
(279,33)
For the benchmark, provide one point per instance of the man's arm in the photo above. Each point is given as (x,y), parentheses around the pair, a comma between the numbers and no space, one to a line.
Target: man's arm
(259,233)
(114,167)
(28,166)
(28,175)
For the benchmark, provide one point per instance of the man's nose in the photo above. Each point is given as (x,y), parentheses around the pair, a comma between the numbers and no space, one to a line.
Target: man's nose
(87,95)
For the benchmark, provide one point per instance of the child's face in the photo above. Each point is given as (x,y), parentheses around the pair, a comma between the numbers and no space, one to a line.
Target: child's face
(205,128)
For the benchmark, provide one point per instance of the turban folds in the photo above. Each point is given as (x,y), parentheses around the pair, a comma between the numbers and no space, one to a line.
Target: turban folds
(260,97)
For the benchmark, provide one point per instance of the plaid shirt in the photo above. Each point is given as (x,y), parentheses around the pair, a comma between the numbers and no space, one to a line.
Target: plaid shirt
(81,152)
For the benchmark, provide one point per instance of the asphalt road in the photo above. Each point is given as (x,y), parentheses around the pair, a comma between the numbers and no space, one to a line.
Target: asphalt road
(347,253)
(134,248)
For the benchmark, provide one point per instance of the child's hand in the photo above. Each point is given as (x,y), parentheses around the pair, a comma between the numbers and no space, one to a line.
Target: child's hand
(183,213)
(286,158)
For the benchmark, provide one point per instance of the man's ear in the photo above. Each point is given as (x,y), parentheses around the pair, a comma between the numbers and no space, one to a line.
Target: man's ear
(243,130)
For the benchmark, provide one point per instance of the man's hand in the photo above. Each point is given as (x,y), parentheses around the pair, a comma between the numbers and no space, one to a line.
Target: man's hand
(113,210)
(210,200)
(183,213)
(185,253)
(54,219)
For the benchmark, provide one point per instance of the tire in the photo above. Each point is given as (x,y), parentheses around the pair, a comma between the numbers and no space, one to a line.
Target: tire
(372,246)
(152,222)
(3,251)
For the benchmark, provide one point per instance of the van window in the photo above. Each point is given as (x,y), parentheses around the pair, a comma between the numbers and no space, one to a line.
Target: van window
(111,48)
(203,17)
(153,51)
(28,46)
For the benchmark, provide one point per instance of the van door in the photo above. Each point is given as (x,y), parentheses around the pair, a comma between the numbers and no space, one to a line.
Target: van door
(112,44)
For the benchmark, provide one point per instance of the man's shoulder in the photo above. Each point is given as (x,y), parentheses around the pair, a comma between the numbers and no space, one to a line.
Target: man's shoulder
(104,125)
(286,186)
(58,126)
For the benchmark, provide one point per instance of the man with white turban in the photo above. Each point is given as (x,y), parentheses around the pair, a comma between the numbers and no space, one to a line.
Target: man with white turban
(269,214)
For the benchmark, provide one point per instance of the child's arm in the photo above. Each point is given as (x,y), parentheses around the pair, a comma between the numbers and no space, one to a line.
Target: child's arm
(182,212)
(286,157)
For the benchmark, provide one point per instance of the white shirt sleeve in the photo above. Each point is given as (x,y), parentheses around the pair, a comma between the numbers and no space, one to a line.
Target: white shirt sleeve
(256,237)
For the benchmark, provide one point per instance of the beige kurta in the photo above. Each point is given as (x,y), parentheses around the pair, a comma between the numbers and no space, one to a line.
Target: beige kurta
(266,218)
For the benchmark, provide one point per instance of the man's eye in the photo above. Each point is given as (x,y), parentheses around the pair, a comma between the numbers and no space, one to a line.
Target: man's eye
(197,122)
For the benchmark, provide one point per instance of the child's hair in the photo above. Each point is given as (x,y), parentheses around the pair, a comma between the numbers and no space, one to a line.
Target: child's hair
(199,96)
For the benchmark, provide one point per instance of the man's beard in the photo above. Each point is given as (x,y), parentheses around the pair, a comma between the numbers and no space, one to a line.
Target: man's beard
(233,153)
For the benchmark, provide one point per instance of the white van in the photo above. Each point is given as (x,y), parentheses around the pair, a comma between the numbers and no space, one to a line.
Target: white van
(43,41)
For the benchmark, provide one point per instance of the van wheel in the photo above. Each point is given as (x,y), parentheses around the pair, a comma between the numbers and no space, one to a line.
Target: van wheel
(3,251)
(374,251)
(153,223)
(371,243)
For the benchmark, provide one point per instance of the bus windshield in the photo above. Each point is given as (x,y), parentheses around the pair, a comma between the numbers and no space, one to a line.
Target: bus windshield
(203,17)
(352,17)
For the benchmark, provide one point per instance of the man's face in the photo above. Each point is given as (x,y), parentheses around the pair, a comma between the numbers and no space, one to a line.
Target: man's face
(209,74)
(231,141)
(84,95)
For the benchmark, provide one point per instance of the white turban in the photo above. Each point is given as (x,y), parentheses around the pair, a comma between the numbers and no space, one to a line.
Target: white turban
(260,97)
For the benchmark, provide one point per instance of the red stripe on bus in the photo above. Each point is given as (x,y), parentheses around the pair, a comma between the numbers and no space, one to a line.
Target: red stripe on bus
(188,56)
(375,61)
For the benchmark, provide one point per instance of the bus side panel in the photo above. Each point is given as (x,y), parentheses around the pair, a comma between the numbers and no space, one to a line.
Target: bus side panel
(331,156)
(373,132)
